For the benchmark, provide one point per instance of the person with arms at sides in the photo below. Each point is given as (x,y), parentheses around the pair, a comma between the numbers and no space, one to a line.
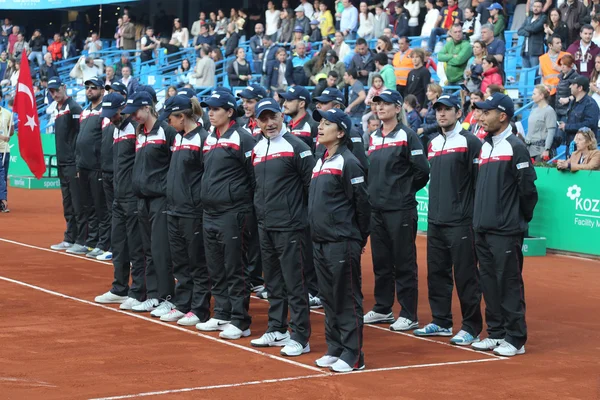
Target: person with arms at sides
(563,87)
(505,181)
(403,64)
(362,61)
(297,99)
(128,254)
(495,47)
(550,68)
(251,95)
(154,139)
(456,54)
(356,96)
(419,77)
(227,190)
(533,32)
(3,193)
(541,125)
(184,213)
(583,111)
(430,126)
(66,129)
(7,130)
(586,157)
(412,116)
(283,168)
(87,157)
(238,70)
(398,169)
(584,51)
(339,214)
(453,157)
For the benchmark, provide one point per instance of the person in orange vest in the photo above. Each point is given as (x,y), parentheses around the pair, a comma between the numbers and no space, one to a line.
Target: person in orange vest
(403,64)
(549,68)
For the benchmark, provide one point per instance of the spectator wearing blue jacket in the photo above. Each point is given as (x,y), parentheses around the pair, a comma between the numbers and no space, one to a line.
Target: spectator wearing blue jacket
(583,110)
(401,24)
(276,80)
(294,72)
(412,116)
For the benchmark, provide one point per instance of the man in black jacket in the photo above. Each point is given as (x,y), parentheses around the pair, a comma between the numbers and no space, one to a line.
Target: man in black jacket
(533,31)
(297,100)
(36,45)
(47,69)
(505,197)
(295,73)
(232,41)
(453,157)
(283,168)
(362,61)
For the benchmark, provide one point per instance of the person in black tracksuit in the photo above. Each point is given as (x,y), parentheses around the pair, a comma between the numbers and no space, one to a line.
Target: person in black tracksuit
(66,129)
(128,255)
(107,167)
(226,193)
(505,197)
(250,96)
(192,293)
(339,214)
(398,169)
(453,156)
(283,166)
(149,182)
(87,154)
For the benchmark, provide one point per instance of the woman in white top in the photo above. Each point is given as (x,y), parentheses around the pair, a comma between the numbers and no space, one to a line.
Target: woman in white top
(413,8)
(365,22)
(430,18)
(340,47)
(180,36)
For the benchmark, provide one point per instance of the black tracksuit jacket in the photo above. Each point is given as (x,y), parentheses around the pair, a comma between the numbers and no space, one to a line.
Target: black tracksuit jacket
(357,148)
(89,140)
(106,153)
(306,129)
(505,194)
(282,169)
(66,130)
(185,174)
(123,159)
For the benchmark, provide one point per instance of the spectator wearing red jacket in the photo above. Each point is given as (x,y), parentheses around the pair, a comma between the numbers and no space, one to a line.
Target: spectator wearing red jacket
(584,51)
(55,48)
(491,73)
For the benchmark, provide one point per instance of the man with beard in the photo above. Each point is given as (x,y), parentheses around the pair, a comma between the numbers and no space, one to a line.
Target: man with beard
(302,125)
(533,31)
(585,51)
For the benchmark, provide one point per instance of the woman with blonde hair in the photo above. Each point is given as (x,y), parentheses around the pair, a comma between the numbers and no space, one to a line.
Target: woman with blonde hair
(541,125)
(587,155)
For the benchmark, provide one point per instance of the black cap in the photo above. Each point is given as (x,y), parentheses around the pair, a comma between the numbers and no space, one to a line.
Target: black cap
(253,91)
(175,104)
(448,100)
(267,104)
(55,83)
(118,87)
(296,93)
(148,89)
(220,99)
(111,104)
(187,92)
(137,101)
(581,81)
(94,81)
(336,116)
(497,101)
(330,94)
(389,96)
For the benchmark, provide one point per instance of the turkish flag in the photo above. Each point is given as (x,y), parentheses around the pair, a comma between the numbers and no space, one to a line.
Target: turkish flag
(30,142)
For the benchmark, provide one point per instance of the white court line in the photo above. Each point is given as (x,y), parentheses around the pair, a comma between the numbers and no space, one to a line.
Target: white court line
(25,382)
(62,253)
(441,364)
(156,321)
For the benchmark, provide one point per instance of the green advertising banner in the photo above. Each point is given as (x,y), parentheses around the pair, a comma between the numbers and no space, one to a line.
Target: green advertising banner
(18,167)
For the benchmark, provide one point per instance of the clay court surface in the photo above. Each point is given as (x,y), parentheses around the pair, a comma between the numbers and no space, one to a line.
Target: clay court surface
(57,344)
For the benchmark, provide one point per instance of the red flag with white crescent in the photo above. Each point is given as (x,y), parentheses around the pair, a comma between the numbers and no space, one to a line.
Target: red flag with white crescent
(30,142)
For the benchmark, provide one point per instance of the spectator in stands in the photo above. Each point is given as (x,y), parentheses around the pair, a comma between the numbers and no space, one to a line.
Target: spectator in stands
(401,27)
(403,64)
(333,64)
(204,72)
(36,45)
(12,39)
(583,110)
(277,72)
(385,70)
(413,9)
(55,48)
(584,51)
(301,19)
(184,73)
(356,96)
(587,155)
(239,72)
(47,69)
(474,70)
(491,73)
(221,26)
(19,47)
(430,18)
(93,44)
(286,27)
(596,25)
(380,21)
(195,31)
(123,62)
(456,54)
(205,38)
(119,33)
(3,64)
(298,37)
(471,26)
(88,68)
(384,45)
(269,55)
(574,14)
(308,8)
(375,90)
(130,82)
(541,125)
(470,119)
(362,62)
(594,82)
(271,19)
(557,27)
(349,20)
(418,78)
(326,20)
(412,116)
(148,45)
(449,16)
(495,47)
(8,73)
(563,87)
(216,55)
(171,92)
(366,22)
(341,47)
(295,71)
(497,20)
(127,35)
(256,45)
(180,36)
(549,66)
(5,31)
(430,125)
(315,31)
(232,40)
(330,82)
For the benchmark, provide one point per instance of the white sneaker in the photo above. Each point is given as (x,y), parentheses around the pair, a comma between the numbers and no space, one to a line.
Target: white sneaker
(163,309)
(326,361)
(314,302)
(341,366)
(271,339)
(94,253)
(232,332)
(375,318)
(508,350)
(146,306)
(106,256)
(257,288)
(189,319)
(487,344)
(129,303)
(172,316)
(61,246)
(212,324)
(404,324)
(293,349)
(110,298)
